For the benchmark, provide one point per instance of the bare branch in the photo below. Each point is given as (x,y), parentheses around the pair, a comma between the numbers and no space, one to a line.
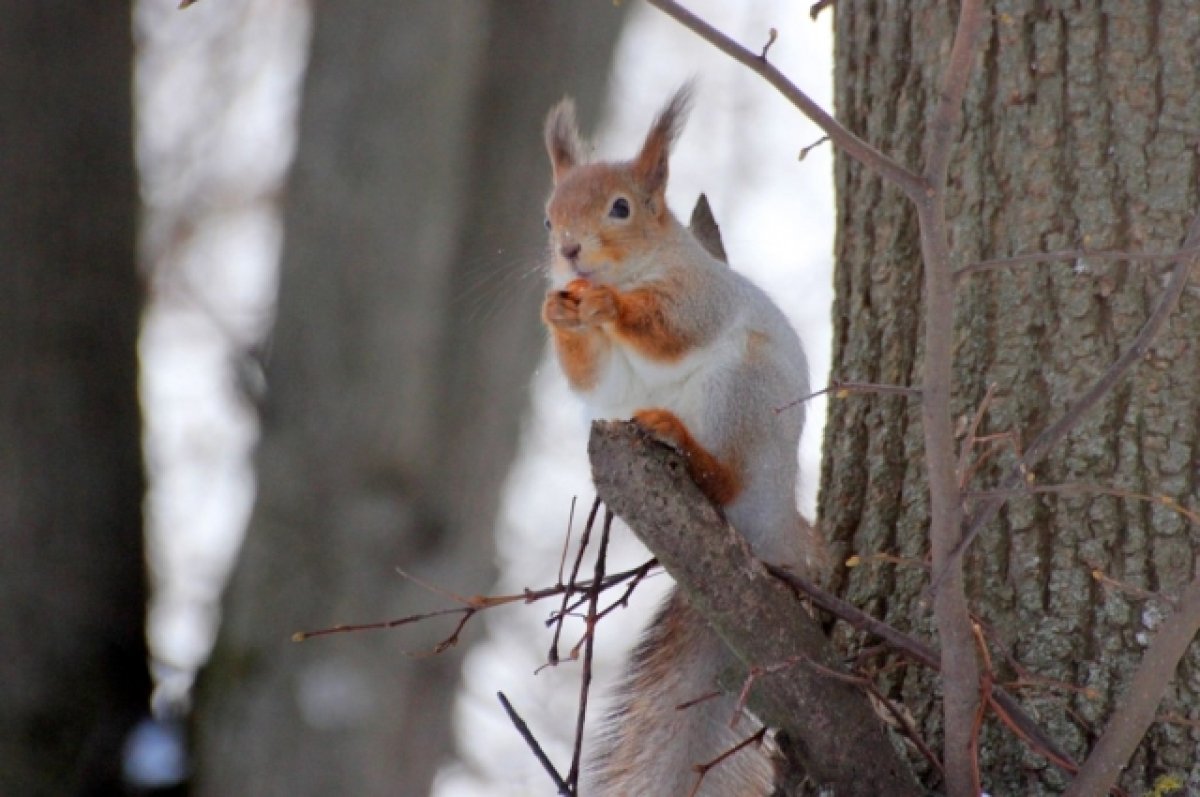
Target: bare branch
(805,150)
(301,636)
(939,136)
(852,145)
(905,723)
(552,656)
(585,680)
(841,389)
(563,789)
(1129,724)
(771,37)
(820,6)
(960,665)
(703,769)
(838,736)
(1068,255)
(1004,704)
(480,603)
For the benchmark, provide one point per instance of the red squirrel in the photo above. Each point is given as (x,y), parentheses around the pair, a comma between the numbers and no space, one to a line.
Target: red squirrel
(646,324)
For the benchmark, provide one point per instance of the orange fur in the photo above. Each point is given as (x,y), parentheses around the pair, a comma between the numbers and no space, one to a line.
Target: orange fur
(580,347)
(642,323)
(579,354)
(717,480)
(634,318)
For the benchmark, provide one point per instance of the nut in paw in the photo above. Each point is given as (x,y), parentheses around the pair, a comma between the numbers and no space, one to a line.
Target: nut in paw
(561,309)
(598,305)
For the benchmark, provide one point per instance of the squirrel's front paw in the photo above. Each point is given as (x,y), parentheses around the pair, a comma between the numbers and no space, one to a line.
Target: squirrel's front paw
(597,305)
(561,309)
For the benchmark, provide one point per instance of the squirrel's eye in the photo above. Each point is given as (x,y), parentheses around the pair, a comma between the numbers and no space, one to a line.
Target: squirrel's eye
(620,208)
(547,221)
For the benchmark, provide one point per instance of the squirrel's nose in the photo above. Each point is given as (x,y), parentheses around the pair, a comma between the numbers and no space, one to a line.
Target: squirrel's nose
(570,250)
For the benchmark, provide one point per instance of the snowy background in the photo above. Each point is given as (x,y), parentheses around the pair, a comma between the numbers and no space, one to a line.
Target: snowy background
(217,90)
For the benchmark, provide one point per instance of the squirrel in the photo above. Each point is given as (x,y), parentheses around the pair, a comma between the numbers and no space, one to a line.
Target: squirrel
(647,324)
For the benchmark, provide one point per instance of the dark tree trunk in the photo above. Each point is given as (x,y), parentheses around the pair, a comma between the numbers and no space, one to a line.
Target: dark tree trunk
(1080,131)
(73,675)
(398,376)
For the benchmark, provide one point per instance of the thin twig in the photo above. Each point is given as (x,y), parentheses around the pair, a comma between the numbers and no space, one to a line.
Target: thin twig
(539,753)
(562,560)
(851,144)
(1069,255)
(805,150)
(841,389)
(753,675)
(636,575)
(912,648)
(1025,678)
(1172,718)
(972,437)
(301,636)
(703,769)
(1124,587)
(819,6)
(552,655)
(858,560)
(449,641)
(481,603)
(585,678)
(623,601)
(906,725)
(1002,702)
(772,35)
(695,701)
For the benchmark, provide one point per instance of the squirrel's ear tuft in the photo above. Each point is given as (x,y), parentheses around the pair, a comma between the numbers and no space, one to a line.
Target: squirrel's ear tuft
(650,167)
(562,138)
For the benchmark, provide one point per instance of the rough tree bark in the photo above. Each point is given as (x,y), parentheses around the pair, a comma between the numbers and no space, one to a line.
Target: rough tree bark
(73,675)
(397,376)
(1079,132)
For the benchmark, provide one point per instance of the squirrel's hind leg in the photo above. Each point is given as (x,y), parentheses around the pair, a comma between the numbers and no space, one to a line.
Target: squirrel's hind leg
(718,480)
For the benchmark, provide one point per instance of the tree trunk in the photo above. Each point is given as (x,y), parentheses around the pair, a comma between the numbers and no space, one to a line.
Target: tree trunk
(73,677)
(1079,132)
(398,377)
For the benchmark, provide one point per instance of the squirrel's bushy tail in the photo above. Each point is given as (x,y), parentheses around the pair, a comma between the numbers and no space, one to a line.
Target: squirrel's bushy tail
(651,746)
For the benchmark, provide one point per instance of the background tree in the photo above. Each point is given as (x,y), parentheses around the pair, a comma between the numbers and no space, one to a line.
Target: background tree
(1078,132)
(73,675)
(397,377)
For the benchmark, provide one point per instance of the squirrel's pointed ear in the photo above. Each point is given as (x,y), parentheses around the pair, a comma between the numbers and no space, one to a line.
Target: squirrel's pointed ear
(650,167)
(562,138)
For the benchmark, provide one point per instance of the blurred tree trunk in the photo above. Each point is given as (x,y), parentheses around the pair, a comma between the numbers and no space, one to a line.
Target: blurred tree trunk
(398,376)
(73,675)
(1080,131)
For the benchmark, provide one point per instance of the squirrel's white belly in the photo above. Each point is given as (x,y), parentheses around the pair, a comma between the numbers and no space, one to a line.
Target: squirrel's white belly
(631,382)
